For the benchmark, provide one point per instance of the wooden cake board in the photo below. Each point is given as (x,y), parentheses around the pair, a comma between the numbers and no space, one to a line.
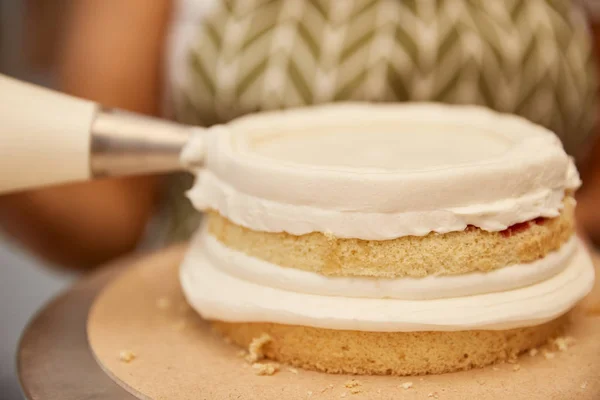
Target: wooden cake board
(151,343)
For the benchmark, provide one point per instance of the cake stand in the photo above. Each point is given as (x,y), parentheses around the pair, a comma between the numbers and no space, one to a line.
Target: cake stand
(125,332)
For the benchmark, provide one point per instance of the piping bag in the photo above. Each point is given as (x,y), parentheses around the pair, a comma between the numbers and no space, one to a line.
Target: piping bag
(49,138)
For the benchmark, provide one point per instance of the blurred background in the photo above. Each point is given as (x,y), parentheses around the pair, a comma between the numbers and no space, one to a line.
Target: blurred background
(24,285)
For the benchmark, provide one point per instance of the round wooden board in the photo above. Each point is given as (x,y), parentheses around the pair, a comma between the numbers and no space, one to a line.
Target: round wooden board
(54,361)
(179,357)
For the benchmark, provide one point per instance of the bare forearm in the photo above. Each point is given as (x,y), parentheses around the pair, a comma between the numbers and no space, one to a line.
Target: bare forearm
(588,197)
(81,226)
(112,55)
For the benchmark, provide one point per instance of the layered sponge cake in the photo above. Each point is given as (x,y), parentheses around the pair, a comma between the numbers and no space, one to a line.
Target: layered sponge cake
(386,239)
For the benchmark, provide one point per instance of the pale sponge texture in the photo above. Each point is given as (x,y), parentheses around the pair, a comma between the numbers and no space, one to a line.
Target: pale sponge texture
(384,353)
(414,256)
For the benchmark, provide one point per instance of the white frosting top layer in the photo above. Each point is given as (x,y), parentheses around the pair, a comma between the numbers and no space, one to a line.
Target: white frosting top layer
(252,269)
(382,171)
(216,294)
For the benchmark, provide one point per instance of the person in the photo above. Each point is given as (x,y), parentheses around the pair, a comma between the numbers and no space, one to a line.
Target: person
(205,62)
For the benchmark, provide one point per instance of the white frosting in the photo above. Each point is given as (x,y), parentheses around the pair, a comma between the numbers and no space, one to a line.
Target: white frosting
(378,172)
(218,295)
(263,273)
(193,152)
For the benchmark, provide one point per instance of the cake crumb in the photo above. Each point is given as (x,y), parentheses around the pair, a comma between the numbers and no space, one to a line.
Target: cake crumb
(163,303)
(343,394)
(127,356)
(181,325)
(548,355)
(309,393)
(329,235)
(326,389)
(512,358)
(241,353)
(183,307)
(378,390)
(355,390)
(593,310)
(495,368)
(293,370)
(352,383)
(265,369)
(330,386)
(255,349)
(583,385)
(533,352)
(406,385)
(434,395)
(563,343)
(516,367)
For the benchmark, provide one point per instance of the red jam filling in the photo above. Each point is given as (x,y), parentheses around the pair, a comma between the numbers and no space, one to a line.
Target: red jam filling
(521,226)
(516,228)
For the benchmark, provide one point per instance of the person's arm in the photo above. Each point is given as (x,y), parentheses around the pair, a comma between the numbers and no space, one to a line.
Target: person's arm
(112,55)
(588,197)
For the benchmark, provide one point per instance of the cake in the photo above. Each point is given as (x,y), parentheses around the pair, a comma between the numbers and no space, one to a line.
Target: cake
(385,239)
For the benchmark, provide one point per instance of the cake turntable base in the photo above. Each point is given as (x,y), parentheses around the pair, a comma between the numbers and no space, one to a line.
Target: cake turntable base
(74,349)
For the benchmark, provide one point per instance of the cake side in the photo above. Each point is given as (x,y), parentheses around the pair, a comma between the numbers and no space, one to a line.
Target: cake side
(389,353)
(451,253)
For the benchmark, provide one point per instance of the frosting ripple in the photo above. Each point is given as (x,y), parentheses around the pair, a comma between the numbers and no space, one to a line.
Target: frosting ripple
(216,294)
(381,171)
